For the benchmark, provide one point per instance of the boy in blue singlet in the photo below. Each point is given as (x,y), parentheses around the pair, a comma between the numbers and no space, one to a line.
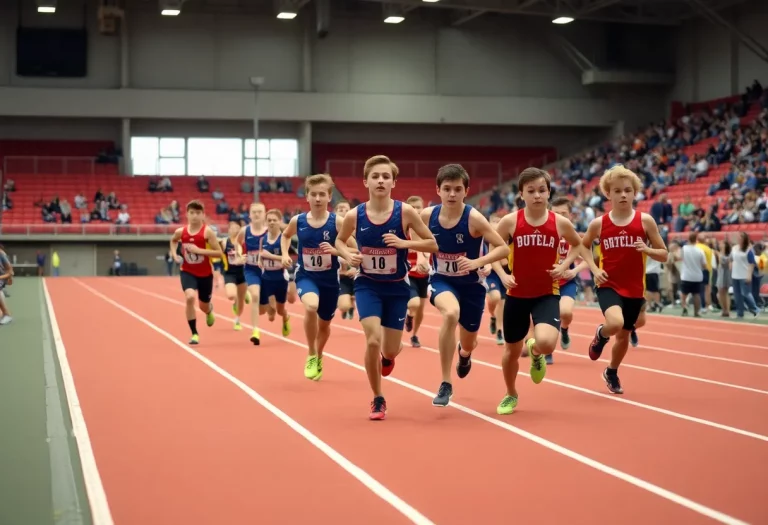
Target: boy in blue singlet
(274,277)
(496,293)
(251,237)
(234,276)
(457,282)
(317,276)
(382,291)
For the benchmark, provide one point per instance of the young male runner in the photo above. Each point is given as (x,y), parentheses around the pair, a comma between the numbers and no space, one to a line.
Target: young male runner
(418,277)
(317,277)
(381,286)
(533,288)
(274,277)
(568,287)
(251,238)
(496,292)
(623,251)
(198,244)
(346,275)
(458,289)
(234,276)
(6,279)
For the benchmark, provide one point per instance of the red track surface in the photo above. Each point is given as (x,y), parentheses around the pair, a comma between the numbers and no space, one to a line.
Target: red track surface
(177,442)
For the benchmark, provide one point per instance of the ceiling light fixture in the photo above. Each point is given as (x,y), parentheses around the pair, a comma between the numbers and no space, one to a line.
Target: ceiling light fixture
(393,19)
(286,15)
(562,20)
(170,12)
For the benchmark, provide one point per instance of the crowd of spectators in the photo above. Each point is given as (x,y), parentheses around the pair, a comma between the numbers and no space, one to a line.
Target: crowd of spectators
(102,209)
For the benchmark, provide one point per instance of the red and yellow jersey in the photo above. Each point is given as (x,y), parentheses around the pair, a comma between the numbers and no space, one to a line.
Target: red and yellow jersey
(533,250)
(197,265)
(620,259)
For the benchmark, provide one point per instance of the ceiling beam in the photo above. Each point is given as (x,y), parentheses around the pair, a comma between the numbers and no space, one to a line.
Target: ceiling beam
(499,6)
(466,16)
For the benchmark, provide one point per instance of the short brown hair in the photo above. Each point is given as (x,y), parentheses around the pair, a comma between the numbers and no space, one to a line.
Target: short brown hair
(452,172)
(379,159)
(693,237)
(320,178)
(342,201)
(276,212)
(414,198)
(195,205)
(619,172)
(531,174)
(560,200)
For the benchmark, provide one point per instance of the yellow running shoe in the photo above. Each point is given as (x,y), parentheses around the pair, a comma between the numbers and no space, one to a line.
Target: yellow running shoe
(538,363)
(286,326)
(234,309)
(256,336)
(209,317)
(507,405)
(310,367)
(318,369)
(237,326)
(195,339)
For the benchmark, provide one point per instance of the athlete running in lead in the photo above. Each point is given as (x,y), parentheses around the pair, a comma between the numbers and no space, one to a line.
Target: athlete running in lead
(380,227)
(317,277)
(198,245)
(623,252)
(533,290)
(458,288)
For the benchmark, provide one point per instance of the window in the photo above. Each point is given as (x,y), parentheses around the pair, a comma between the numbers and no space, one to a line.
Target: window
(271,157)
(158,156)
(212,157)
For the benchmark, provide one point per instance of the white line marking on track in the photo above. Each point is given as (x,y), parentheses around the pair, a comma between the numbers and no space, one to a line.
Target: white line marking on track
(584,460)
(362,476)
(97,497)
(608,397)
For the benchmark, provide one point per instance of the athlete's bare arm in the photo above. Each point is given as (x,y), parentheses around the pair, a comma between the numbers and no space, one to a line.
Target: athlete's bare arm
(658,250)
(566,230)
(285,241)
(479,224)
(214,248)
(506,230)
(348,226)
(175,239)
(593,232)
(411,220)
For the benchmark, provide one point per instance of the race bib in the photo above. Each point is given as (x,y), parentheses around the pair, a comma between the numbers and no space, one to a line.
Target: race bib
(447,264)
(192,258)
(271,265)
(315,260)
(381,261)
(232,258)
(252,258)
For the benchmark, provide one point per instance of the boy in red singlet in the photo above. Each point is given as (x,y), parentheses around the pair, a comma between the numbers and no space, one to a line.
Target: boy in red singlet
(418,275)
(623,253)
(533,288)
(198,245)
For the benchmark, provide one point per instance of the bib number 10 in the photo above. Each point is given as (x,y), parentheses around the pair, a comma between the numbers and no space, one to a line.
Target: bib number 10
(382,261)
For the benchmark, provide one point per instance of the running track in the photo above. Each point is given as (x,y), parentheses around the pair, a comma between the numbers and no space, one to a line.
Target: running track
(226,432)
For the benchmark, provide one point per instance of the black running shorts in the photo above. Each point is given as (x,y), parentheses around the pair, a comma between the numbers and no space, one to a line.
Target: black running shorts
(630,306)
(419,286)
(346,285)
(203,285)
(518,313)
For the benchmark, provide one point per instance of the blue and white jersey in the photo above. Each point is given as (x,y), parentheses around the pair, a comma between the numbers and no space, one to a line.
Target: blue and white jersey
(453,243)
(272,270)
(381,262)
(313,263)
(253,244)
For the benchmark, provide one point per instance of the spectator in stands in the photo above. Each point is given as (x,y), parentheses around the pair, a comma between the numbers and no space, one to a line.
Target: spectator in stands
(6,203)
(175,213)
(164,217)
(202,185)
(99,196)
(217,195)
(66,212)
(245,186)
(685,214)
(112,201)
(95,214)
(47,214)
(222,207)
(9,186)
(661,210)
(164,185)
(80,202)
(123,217)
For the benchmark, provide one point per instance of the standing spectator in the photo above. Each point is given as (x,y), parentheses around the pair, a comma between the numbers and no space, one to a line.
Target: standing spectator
(694,263)
(741,275)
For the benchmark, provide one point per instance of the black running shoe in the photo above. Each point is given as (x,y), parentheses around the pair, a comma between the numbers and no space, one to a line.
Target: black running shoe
(493,325)
(444,395)
(415,341)
(408,323)
(633,340)
(565,339)
(464,365)
(597,345)
(611,377)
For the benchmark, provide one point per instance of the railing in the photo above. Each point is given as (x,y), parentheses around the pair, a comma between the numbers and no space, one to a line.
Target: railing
(135,230)
(488,174)
(49,165)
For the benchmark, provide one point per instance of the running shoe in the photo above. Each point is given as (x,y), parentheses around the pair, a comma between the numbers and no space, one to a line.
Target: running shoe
(310,367)
(493,325)
(611,377)
(256,337)
(209,317)
(565,339)
(507,405)
(538,363)
(597,344)
(287,326)
(464,365)
(195,339)
(444,395)
(378,409)
(387,365)
(633,340)
(318,370)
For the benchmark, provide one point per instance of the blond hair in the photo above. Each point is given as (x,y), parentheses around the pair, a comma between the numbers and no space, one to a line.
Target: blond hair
(321,178)
(616,173)
(414,198)
(380,159)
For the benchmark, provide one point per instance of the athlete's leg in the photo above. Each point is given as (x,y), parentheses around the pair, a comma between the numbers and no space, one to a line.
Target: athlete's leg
(280,297)
(516,320)
(445,300)
(499,312)
(204,298)
(373,336)
(242,291)
(326,310)
(632,311)
(493,297)
(292,294)
(344,304)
